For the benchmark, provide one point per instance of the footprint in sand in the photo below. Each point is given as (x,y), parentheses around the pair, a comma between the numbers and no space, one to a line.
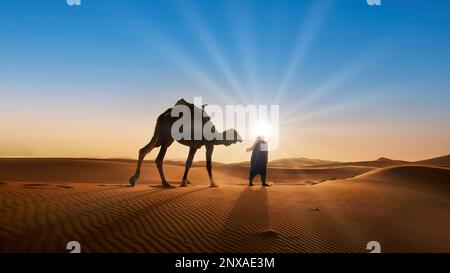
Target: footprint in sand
(65,187)
(46,186)
(35,186)
(113,186)
(269,233)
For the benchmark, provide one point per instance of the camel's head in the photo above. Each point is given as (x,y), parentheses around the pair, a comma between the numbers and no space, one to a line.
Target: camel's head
(231,136)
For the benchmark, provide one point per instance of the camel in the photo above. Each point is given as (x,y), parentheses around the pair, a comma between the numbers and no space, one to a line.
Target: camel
(163,138)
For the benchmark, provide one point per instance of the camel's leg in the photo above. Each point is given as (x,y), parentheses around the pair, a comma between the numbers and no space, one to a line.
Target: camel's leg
(189,160)
(159,164)
(142,153)
(209,152)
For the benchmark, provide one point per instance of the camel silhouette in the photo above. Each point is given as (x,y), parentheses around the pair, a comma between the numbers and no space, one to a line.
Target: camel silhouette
(163,138)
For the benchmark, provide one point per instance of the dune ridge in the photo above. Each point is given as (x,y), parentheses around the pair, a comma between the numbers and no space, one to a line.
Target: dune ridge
(442,161)
(423,178)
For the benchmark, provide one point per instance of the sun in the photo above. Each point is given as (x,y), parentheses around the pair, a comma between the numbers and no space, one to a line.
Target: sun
(264,129)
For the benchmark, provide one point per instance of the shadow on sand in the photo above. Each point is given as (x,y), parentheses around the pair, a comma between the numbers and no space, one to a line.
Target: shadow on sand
(247,227)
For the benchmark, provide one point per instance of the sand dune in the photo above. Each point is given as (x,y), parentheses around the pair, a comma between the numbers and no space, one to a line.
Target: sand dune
(46,203)
(379,163)
(298,162)
(422,178)
(196,219)
(119,171)
(110,171)
(297,176)
(443,161)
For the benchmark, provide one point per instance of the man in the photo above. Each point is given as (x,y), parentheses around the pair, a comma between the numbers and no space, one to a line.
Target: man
(258,164)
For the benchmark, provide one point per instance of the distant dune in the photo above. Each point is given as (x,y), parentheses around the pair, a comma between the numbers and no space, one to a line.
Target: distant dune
(443,161)
(339,207)
(379,163)
(298,162)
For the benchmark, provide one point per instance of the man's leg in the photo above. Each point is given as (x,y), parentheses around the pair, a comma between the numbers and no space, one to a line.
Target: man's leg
(250,178)
(263,180)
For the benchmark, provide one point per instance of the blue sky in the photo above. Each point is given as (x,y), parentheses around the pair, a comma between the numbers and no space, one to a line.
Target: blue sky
(329,64)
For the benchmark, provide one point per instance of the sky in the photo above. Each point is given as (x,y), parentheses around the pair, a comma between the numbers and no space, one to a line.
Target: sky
(353,81)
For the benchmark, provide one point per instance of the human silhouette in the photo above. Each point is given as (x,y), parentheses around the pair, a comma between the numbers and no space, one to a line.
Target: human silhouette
(258,163)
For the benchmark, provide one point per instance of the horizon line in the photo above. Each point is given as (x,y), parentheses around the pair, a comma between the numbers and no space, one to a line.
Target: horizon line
(221,162)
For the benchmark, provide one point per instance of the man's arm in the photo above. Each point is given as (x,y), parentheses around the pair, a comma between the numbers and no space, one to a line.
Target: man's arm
(254,145)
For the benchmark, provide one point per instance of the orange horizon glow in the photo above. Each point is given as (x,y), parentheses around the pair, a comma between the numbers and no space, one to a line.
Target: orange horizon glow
(121,137)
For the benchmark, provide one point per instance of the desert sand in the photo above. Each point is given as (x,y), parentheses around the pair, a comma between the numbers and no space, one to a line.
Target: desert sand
(313,206)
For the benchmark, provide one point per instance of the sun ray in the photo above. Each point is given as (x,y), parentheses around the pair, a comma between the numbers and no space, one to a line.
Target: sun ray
(206,37)
(305,39)
(179,58)
(244,38)
(339,107)
(333,84)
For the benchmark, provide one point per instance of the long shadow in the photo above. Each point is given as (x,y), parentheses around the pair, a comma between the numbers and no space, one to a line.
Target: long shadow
(247,227)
